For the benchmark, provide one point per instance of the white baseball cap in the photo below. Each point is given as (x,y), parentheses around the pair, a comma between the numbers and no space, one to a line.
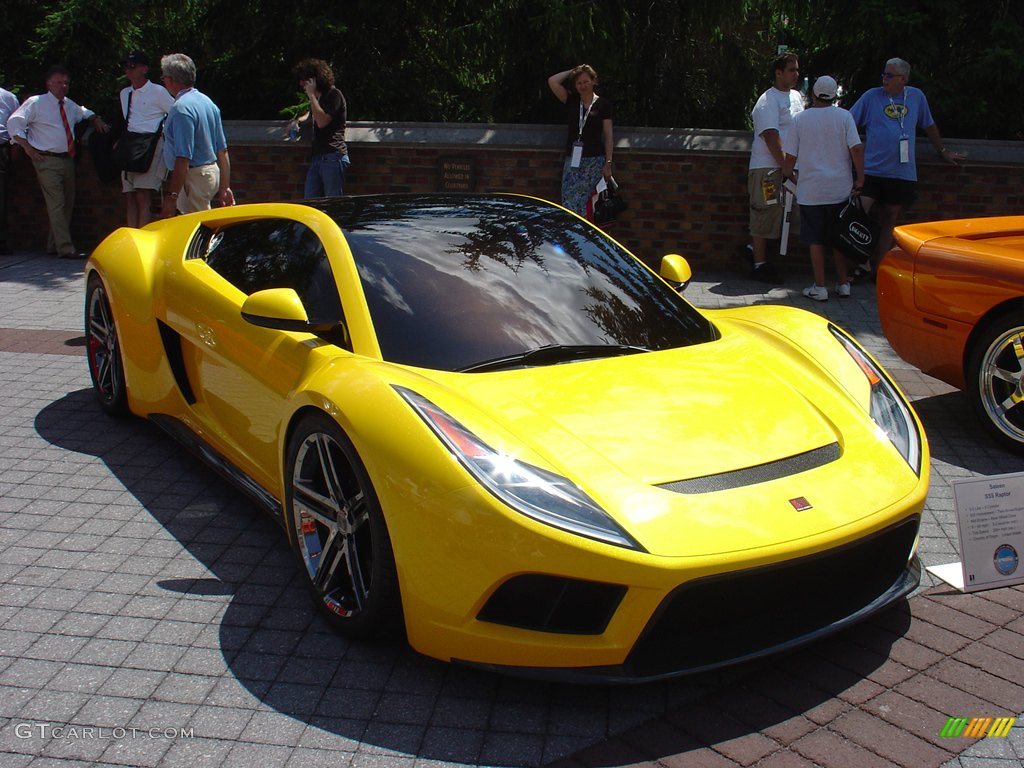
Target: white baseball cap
(825,88)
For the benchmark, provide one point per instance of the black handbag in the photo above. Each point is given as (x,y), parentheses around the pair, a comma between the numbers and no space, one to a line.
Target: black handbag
(609,204)
(855,233)
(134,151)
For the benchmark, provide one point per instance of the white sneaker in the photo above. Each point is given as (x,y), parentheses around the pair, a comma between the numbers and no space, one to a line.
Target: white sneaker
(843,290)
(818,294)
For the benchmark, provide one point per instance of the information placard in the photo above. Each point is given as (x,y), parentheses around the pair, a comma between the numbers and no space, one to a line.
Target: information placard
(990,523)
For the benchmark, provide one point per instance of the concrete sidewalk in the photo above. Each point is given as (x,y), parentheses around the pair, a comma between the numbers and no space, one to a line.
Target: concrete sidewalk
(149,616)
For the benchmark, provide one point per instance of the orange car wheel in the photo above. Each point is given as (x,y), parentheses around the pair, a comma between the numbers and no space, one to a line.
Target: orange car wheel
(995,378)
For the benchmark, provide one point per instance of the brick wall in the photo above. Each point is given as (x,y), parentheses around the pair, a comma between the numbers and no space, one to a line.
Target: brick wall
(689,199)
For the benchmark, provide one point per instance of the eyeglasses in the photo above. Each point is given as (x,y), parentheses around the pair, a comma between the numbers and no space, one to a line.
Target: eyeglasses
(890,75)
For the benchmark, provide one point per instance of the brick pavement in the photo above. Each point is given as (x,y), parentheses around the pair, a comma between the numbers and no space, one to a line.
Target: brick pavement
(149,617)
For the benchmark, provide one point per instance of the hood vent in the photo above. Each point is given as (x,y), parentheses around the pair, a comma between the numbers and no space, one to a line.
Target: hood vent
(759,474)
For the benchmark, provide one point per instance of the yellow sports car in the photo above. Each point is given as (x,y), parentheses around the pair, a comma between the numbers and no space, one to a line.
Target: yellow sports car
(483,422)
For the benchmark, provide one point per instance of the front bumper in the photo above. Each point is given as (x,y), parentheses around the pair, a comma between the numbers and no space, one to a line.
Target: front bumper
(734,617)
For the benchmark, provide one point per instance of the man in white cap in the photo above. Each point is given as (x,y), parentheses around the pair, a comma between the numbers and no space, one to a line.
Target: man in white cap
(825,140)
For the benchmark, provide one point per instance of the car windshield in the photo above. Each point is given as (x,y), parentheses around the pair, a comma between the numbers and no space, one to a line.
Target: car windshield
(483,282)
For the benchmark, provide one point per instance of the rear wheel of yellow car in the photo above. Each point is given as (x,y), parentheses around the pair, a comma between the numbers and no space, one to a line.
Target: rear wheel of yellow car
(338,531)
(995,378)
(103,350)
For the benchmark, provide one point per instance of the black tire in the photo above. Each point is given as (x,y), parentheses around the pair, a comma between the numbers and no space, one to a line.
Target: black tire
(338,531)
(995,378)
(103,350)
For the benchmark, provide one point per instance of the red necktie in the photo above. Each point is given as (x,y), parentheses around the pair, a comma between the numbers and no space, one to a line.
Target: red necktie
(67,129)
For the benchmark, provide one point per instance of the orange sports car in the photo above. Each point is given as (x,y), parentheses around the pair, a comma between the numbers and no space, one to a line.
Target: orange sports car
(951,301)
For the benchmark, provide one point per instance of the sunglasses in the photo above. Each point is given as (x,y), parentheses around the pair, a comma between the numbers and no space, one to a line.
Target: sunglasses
(890,75)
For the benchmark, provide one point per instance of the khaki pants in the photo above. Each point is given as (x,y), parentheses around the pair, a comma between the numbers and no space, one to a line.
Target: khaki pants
(200,188)
(57,181)
(768,204)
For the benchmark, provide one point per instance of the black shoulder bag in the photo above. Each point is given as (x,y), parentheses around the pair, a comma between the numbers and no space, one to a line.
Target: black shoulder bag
(134,151)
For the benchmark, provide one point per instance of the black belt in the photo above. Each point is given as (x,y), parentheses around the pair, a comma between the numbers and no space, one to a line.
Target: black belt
(52,154)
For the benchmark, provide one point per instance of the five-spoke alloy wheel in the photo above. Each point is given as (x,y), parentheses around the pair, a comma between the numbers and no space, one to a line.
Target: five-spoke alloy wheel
(995,378)
(338,530)
(104,350)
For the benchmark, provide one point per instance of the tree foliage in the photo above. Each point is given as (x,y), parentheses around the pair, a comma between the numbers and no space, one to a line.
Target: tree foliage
(662,62)
(966,56)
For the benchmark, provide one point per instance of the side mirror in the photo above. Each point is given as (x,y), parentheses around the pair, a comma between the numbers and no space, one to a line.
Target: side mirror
(279,308)
(282,310)
(676,271)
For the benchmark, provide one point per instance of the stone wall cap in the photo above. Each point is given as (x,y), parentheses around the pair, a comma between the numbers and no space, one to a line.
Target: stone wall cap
(629,139)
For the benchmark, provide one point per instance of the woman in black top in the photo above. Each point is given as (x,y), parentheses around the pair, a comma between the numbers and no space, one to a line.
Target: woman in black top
(327,112)
(588,144)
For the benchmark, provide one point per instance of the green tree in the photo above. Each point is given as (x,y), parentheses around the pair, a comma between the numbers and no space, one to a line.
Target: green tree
(663,62)
(966,56)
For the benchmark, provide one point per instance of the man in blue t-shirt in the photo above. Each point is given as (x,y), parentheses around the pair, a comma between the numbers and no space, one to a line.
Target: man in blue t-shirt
(195,149)
(891,116)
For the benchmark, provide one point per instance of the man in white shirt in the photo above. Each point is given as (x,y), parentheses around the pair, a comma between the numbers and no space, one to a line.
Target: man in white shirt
(824,138)
(144,105)
(44,126)
(772,116)
(8,103)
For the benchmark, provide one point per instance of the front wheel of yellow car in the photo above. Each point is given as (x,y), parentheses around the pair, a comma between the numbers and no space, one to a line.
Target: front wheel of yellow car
(995,378)
(338,531)
(104,350)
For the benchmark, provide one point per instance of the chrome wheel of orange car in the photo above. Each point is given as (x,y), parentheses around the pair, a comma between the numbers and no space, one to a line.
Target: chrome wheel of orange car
(996,378)
(338,530)
(103,350)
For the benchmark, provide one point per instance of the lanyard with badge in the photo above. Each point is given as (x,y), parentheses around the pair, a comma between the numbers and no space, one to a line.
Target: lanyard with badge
(900,111)
(577,146)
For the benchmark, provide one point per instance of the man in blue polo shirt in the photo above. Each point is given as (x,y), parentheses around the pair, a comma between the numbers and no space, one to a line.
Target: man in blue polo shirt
(891,116)
(195,149)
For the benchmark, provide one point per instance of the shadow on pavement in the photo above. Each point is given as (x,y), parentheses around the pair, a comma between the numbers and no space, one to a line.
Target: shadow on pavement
(388,696)
(40,270)
(957,436)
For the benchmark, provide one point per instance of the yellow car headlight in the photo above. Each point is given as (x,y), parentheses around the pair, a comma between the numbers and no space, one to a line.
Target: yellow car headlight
(537,493)
(888,409)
